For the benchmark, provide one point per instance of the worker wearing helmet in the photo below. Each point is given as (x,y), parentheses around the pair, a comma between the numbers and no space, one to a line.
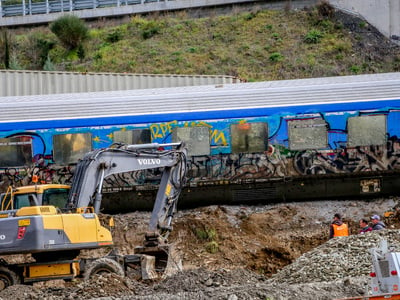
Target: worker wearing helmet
(377,224)
(338,228)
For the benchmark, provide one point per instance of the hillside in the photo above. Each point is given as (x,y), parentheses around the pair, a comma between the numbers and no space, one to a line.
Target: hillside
(251,43)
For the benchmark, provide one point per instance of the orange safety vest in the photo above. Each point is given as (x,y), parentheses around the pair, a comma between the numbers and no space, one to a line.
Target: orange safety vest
(342,230)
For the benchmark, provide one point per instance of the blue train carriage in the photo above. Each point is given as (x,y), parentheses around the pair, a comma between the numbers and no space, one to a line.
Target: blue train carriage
(317,138)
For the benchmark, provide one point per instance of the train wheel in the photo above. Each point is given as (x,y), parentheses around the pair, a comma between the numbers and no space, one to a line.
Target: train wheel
(8,278)
(101,266)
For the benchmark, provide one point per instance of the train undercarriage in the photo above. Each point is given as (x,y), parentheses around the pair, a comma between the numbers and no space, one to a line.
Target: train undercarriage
(256,191)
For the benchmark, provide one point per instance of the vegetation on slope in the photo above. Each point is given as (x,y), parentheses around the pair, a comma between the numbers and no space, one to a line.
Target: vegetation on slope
(253,45)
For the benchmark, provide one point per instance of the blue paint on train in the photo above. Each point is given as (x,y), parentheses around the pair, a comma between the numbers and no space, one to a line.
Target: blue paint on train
(42,140)
(380,105)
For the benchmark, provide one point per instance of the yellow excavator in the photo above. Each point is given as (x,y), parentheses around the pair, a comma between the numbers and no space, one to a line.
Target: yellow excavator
(54,223)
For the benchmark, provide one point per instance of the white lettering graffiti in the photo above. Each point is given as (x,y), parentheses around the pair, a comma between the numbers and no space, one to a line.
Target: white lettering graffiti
(149,161)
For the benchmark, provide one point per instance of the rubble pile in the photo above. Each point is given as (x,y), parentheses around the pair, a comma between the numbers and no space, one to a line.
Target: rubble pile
(253,243)
(241,284)
(338,258)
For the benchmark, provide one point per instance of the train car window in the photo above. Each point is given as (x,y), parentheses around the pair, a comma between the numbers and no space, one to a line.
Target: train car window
(69,148)
(135,136)
(366,130)
(249,137)
(307,134)
(15,152)
(197,139)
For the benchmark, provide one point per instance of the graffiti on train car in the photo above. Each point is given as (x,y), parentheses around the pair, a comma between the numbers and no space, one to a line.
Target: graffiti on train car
(236,167)
(256,148)
(360,159)
(48,174)
(161,131)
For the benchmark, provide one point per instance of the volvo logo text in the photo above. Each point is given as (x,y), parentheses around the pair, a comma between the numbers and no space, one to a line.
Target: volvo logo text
(149,161)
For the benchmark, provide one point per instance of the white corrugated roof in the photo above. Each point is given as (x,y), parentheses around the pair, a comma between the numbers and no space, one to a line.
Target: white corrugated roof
(201,98)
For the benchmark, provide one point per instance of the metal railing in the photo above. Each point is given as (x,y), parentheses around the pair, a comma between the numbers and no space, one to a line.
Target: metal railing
(29,12)
(46,7)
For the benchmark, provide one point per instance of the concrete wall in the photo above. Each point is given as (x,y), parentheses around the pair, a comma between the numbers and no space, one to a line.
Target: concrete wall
(382,14)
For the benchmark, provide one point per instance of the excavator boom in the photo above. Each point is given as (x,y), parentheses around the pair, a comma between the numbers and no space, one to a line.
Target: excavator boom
(97,165)
(85,193)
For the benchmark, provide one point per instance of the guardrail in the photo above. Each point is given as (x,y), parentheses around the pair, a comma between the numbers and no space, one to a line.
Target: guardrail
(29,12)
(46,7)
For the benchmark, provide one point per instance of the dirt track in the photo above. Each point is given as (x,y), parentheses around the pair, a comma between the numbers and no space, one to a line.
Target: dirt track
(228,253)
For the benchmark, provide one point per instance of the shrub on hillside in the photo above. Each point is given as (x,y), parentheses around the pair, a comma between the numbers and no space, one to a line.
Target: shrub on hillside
(5,38)
(70,30)
(149,29)
(314,36)
(325,9)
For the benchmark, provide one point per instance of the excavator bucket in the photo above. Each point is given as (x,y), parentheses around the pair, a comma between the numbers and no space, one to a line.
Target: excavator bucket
(148,267)
(174,262)
(159,261)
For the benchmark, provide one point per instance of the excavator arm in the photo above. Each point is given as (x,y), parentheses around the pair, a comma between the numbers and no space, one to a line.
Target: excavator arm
(97,165)
(55,238)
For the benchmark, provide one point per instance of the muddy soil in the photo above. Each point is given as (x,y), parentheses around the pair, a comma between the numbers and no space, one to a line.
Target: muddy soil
(228,252)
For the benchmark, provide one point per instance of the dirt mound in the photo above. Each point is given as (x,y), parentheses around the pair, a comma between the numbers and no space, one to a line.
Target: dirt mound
(226,237)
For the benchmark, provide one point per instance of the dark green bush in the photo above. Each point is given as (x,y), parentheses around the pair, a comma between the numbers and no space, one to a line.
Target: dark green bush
(149,29)
(276,56)
(314,36)
(43,47)
(325,9)
(115,36)
(5,44)
(70,30)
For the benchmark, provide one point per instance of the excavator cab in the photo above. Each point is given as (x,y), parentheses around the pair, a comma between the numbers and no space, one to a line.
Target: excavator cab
(35,195)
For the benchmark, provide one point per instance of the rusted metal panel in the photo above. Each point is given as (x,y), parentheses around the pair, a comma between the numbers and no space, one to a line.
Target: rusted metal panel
(197,139)
(308,134)
(249,137)
(23,83)
(367,130)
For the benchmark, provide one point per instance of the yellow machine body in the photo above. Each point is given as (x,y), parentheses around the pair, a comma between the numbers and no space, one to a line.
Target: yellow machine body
(55,270)
(44,228)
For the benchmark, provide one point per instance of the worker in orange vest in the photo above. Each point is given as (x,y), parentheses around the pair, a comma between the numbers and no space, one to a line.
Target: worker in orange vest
(338,228)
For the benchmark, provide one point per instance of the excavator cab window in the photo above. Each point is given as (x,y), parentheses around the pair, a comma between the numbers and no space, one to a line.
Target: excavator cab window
(22,200)
(56,197)
(2,197)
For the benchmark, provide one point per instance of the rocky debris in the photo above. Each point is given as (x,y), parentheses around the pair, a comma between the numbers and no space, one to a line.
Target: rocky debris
(339,258)
(253,243)
(239,284)
(19,292)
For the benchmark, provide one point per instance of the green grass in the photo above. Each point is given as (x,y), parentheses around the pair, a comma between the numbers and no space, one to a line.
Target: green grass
(255,46)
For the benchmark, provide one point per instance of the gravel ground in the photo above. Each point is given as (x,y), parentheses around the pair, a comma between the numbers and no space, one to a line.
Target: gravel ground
(265,252)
